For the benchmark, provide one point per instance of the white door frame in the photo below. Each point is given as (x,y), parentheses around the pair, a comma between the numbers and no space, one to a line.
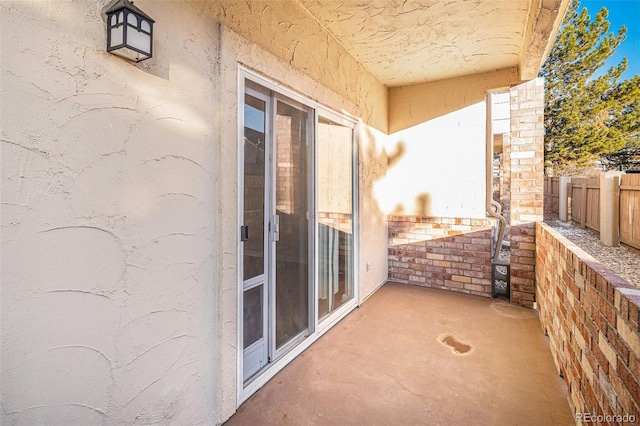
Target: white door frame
(297,345)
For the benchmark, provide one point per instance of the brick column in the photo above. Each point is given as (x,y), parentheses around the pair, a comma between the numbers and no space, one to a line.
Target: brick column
(526,181)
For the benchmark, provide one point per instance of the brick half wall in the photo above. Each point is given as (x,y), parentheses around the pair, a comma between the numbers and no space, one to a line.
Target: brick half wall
(591,316)
(447,253)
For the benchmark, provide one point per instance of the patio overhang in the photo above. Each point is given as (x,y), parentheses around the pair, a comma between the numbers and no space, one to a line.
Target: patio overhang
(412,48)
(406,43)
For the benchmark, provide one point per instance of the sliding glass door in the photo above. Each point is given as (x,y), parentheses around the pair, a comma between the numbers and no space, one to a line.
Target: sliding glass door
(335,162)
(297,231)
(276,228)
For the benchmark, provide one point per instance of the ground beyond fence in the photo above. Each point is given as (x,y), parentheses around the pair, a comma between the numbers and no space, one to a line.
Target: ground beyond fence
(581,200)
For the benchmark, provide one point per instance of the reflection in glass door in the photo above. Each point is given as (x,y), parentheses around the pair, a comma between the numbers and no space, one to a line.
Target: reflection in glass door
(292,219)
(335,215)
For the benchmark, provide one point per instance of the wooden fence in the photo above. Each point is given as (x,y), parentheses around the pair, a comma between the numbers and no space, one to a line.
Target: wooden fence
(552,187)
(630,210)
(585,202)
(583,205)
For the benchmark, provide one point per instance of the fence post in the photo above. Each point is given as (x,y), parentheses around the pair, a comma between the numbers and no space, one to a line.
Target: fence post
(563,198)
(610,208)
(583,204)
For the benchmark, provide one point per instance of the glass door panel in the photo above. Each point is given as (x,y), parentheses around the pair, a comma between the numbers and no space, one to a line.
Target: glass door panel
(253,237)
(253,313)
(291,180)
(335,215)
(254,186)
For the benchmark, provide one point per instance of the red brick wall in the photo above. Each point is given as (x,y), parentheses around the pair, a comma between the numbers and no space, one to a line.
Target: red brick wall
(447,253)
(526,185)
(592,318)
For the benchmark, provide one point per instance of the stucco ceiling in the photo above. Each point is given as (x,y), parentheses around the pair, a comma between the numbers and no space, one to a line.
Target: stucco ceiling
(413,41)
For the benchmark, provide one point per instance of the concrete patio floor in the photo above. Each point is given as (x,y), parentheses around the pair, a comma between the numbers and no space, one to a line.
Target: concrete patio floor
(393,361)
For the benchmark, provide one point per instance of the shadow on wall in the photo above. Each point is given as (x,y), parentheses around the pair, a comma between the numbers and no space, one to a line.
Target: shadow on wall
(442,169)
(396,155)
(375,162)
(422,206)
(380,162)
(375,165)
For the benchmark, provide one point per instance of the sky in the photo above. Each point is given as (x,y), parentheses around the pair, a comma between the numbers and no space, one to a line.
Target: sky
(621,12)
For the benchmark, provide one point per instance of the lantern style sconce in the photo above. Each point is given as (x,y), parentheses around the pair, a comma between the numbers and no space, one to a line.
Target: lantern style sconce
(129,31)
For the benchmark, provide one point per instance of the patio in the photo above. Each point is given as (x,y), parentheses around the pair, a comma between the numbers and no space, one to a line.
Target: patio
(394,361)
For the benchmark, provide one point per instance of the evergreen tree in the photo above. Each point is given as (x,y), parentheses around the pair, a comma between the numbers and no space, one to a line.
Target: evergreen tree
(587,117)
(627,159)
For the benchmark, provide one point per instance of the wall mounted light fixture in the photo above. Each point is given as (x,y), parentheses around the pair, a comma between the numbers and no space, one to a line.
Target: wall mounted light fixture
(129,31)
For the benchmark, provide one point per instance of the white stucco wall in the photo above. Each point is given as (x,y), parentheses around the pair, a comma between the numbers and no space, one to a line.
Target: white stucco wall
(373,267)
(108,204)
(437,168)
(119,210)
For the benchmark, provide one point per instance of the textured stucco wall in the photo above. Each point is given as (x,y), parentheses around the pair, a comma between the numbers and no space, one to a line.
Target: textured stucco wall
(373,267)
(285,29)
(403,43)
(108,206)
(119,208)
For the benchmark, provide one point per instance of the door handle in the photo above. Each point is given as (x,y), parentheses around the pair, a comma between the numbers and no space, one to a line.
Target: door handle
(276,227)
(244,233)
